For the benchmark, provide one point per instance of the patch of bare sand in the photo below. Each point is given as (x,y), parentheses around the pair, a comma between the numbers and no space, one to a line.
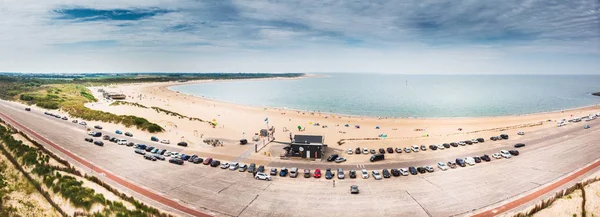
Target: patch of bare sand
(592,196)
(565,206)
(25,198)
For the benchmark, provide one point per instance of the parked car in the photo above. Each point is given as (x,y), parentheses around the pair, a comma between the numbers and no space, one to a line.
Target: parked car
(518,145)
(486,158)
(261,169)
(262,176)
(390,150)
(446,145)
(433,147)
(480,140)
(98,127)
(306,173)
(505,153)
(412,170)
(352,174)
(252,168)
(403,171)
(340,173)
(293,172)
(340,159)
(496,155)
(514,152)
(494,138)
(185,144)
(460,162)
(317,173)
(328,173)
(140,151)
(106,137)
(477,159)
(469,142)
(442,166)
(429,169)
(128,134)
(165,141)
(423,148)
(74,121)
(273,172)
(283,172)
(365,151)
(415,148)
(470,161)
(332,157)
(364,174)
(149,156)
(357,151)
(350,151)
(451,164)
(520,133)
(234,166)
(121,141)
(376,175)
(354,189)
(130,144)
(395,172)
(159,157)
(176,161)
(381,151)
(373,151)
(141,146)
(118,132)
(83,123)
(442,147)
(224,165)
(89,140)
(215,163)
(421,169)
(154,139)
(386,173)
(474,141)
(28,109)
(65,118)
(398,150)
(454,144)
(504,136)
(99,143)
(207,161)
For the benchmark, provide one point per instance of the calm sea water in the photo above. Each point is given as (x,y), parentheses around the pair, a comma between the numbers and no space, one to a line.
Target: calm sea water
(380,95)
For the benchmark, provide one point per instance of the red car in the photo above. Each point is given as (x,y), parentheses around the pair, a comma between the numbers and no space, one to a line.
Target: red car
(317,173)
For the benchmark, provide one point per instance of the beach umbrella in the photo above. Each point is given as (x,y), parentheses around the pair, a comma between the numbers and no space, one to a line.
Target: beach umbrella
(309,122)
(299,127)
(377,127)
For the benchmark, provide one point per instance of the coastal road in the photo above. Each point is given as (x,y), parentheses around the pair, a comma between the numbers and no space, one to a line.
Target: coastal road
(549,155)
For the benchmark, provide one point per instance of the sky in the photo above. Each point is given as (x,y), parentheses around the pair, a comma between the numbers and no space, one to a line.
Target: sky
(396,36)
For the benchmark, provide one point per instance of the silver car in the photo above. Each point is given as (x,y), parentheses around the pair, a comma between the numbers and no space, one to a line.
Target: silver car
(340,173)
(293,172)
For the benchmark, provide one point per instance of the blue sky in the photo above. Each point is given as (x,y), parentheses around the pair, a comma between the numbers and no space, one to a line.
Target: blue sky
(433,37)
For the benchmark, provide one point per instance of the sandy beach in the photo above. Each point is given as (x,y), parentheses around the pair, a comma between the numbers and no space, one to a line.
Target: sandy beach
(235,122)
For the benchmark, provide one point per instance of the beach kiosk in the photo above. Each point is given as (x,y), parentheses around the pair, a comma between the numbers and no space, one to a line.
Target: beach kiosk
(307,146)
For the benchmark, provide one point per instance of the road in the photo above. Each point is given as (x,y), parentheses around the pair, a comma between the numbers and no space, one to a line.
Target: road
(550,154)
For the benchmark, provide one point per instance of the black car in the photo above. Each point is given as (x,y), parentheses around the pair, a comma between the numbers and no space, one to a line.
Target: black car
(469,142)
(514,152)
(454,144)
(252,168)
(486,158)
(113,139)
(494,138)
(89,140)
(518,145)
(215,163)
(176,161)
(328,173)
(332,157)
(28,109)
(390,150)
(185,157)
(192,158)
(446,145)
(421,169)
(352,174)
(504,136)
(381,151)
(433,147)
(149,148)
(197,160)
(460,162)
(128,134)
(98,127)
(480,140)
(395,172)
(182,144)
(261,169)
(386,173)
(357,151)
(99,143)
(132,144)
(477,159)
(413,170)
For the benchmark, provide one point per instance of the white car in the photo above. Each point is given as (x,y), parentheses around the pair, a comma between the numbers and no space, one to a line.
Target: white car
(442,166)
(262,176)
(365,151)
(167,154)
(224,165)
(560,124)
(462,143)
(376,175)
(174,154)
(470,161)
(474,141)
(415,148)
(83,123)
(505,153)
(429,169)
(234,166)
(91,133)
(365,174)
(520,133)
(122,142)
(340,159)
(403,171)
(441,146)
(165,141)
(350,151)
(496,155)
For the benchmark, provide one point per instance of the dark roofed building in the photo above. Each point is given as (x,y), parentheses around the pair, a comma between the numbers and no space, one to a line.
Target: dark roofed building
(307,146)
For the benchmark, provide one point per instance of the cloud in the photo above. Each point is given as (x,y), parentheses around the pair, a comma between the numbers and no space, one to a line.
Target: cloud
(228,31)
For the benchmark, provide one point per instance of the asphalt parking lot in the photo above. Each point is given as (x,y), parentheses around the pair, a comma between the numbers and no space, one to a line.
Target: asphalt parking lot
(548,155)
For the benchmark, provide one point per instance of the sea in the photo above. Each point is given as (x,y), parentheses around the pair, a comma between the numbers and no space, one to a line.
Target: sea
(409,96)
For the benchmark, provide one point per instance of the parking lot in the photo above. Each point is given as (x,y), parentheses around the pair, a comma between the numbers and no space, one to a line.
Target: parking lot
(548,155)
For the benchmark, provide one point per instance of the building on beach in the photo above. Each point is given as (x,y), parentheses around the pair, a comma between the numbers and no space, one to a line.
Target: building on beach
(307,146)
(114,96)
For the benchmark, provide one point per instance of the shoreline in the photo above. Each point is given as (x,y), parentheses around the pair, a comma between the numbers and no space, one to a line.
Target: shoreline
(168,85)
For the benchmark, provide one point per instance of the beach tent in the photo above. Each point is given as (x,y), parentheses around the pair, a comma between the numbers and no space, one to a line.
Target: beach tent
(347,125)
(357,126)
(377,127)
